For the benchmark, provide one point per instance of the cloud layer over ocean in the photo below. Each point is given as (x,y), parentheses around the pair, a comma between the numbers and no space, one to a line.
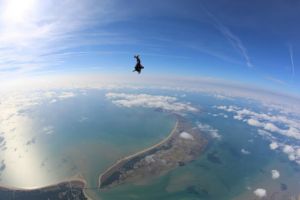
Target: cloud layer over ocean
(281,129)
(167,103)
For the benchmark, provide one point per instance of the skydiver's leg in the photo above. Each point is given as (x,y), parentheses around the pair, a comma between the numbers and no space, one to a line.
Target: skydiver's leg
(135,68)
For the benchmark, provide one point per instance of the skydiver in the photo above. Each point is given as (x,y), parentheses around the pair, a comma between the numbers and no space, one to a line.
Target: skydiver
(138,67)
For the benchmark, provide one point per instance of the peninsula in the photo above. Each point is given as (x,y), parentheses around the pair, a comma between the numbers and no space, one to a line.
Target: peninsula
(184,144)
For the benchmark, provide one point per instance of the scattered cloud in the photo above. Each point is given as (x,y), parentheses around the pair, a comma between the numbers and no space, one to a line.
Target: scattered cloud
(254,122)
(273,145)
(291,152)
(48,130)
(237,117)
(186,136)
(219,115)
(288,149)
(66,95)
(150,101)
(260,192)
(55,96)
(149,158)
(275,174)
(214,133)
(285,103)
(246,152)
(267,121)
(281,129)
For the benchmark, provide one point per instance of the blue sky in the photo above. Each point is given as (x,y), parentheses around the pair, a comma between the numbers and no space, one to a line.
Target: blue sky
(252,42)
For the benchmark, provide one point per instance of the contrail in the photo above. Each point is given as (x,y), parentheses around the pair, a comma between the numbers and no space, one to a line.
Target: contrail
(232,39)
(292,60)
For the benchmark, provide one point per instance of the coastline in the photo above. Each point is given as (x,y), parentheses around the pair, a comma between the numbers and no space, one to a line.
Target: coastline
(139,153)
(183,145)
(74,183)
(120,161)
(78,181)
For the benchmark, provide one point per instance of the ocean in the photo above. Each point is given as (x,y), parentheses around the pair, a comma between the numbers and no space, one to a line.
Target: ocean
(85,134)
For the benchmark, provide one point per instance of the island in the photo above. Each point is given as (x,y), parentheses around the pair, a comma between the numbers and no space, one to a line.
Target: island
(184,144)
(66,190)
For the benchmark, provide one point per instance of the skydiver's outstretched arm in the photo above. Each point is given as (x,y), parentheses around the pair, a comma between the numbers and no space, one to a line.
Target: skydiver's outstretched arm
(138,60)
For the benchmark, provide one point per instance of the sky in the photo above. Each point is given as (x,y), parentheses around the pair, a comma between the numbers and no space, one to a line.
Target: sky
(254,42)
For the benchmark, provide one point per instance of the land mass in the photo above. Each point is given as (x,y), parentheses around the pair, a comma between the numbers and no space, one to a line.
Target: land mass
(65,190)
(184,144)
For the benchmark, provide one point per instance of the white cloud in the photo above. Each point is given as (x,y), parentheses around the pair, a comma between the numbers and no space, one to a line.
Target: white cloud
(264,133)
(66,95)
(214,133)
(292,132)
(150,101)
(273,145)
(275,174)
(238,117)
(291,152)
(48,130)
(14,105)
(288,149)
(271,127)
(219,115)
(149,159)
(268,124)
(244,151)
(55,96)
(292,157)
(53,101)
(260,192)
(49,94)
(254,122)
(35,34)
(186,136)
(266,121)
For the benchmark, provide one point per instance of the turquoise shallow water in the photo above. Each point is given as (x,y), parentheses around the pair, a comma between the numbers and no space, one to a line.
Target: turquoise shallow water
(226,177)
(203,178)
(87,133)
